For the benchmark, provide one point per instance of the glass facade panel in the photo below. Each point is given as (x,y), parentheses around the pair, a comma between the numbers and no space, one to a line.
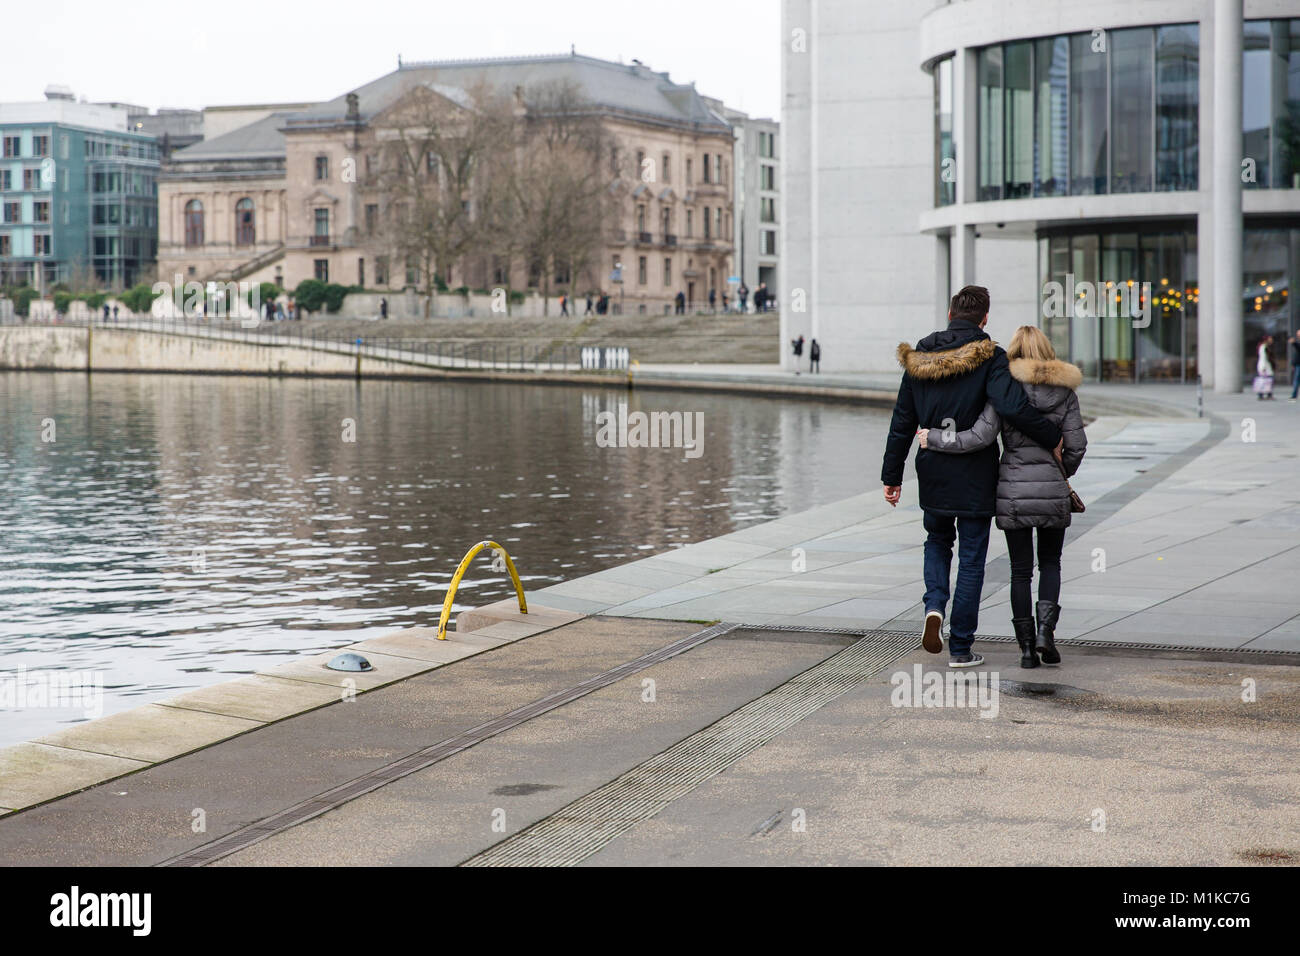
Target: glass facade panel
(1160,343)
(1052,117)
(1054,269)
(944,148)
(1088,117)
(1267,267)
(1177,103)
(1132,82)
(989,93)
(1256,99)
(1018,82)
(1286,108)
(1119,296)
(1084,339)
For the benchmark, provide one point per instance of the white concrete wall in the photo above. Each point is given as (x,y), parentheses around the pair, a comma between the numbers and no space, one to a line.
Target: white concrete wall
(857,171)
(1009,268)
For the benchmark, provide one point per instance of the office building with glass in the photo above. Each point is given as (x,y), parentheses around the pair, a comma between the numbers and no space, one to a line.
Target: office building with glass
(1126,176)
(78,195)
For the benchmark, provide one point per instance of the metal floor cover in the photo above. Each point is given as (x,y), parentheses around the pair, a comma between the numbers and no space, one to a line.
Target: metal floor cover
(585,826)
(335,797)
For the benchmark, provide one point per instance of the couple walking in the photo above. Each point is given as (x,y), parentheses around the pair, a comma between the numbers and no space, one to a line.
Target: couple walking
(961,390)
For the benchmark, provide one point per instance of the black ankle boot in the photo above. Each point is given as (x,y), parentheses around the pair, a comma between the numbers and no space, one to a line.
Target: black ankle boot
(1025,638)
(1048,614)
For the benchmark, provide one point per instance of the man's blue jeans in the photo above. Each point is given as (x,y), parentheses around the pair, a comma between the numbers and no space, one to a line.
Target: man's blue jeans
(972,538)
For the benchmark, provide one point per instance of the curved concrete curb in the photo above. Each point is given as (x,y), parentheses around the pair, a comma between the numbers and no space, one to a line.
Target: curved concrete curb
(93,752)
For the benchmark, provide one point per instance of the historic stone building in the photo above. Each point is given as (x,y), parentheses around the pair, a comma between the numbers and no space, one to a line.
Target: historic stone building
(289,196)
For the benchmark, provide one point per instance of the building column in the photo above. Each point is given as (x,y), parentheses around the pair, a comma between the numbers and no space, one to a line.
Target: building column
(965,125)
(961,252)
(1226,201)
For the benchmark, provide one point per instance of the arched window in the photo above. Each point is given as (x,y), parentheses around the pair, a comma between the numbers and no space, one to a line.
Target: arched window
(245,227)
(194,223)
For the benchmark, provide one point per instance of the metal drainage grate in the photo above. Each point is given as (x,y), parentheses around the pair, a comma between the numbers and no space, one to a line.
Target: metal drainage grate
(1226,654)
(589,823)
(337,796)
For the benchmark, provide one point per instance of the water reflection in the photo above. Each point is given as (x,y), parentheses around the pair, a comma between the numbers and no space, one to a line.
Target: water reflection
(183,529)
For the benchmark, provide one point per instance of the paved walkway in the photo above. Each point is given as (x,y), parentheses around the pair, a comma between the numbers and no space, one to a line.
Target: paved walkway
(1190,538)
(640,735)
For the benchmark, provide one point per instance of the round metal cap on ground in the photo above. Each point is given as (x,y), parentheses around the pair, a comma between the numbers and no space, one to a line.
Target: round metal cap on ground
(350,662)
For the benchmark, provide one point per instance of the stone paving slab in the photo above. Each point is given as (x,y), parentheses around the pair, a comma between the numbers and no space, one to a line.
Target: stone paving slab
(149,733)
(34,772)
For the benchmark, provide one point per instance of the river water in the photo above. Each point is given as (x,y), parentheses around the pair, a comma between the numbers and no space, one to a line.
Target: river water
(166,532)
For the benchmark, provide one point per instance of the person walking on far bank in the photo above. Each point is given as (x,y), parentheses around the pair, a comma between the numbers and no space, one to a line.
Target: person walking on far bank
(713,300)
(948,378)
(681,303)
(1033,486)
(795,344)
(814,357)
(743,295)
(383,308)
(588,312)
(1295,365)
(1264,370)
(564,305)
(105,311)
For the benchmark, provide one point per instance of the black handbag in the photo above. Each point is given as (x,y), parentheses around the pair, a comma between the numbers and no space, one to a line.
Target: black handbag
(1076,503)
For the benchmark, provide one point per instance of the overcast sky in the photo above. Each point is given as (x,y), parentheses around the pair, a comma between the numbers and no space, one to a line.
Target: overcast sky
(195,54)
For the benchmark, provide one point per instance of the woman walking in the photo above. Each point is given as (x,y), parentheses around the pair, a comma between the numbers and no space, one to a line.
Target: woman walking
(1033,491)
(1264,370)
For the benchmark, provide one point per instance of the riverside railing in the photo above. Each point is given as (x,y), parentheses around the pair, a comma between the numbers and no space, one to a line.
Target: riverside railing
(443,354)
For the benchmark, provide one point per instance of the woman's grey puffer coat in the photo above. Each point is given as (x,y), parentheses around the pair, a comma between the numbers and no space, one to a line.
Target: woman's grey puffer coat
(1031,491)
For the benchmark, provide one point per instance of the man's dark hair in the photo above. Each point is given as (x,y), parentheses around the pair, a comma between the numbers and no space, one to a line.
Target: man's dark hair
(971,304)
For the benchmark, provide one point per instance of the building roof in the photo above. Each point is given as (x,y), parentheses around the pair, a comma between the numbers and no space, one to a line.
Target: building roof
(631,89)
(257,140)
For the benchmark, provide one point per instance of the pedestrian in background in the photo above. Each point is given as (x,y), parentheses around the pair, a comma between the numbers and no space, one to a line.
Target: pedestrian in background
(1264,370)
(743,294)
(1295,365)
(564,305)
(797,344)
(814,357)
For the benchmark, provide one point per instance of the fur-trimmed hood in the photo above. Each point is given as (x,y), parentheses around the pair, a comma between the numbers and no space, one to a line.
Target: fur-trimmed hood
(1054,372)
(945,363)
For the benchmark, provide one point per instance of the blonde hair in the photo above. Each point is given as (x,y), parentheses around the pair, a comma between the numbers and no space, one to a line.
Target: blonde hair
(1030,342)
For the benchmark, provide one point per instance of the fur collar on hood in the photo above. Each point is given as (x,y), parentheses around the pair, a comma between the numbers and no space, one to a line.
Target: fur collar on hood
(947,363)
(1054,372)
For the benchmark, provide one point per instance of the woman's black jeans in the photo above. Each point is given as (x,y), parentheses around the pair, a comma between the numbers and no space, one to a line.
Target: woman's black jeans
(1020,548)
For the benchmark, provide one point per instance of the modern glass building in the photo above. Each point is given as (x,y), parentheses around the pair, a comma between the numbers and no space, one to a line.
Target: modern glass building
(78,195)
(1095,142)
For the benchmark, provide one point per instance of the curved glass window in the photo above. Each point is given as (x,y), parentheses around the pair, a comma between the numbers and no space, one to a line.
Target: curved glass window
(1091,113)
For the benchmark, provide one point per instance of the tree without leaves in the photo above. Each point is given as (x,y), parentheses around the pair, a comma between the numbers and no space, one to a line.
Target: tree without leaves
(436,147)
(557,196)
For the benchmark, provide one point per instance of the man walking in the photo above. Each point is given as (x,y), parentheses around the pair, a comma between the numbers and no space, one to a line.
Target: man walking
(814,357)
(947,380)
(1295,364)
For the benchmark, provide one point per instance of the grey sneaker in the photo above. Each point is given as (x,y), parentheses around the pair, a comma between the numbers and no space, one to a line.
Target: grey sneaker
(932,639)
(966,660)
